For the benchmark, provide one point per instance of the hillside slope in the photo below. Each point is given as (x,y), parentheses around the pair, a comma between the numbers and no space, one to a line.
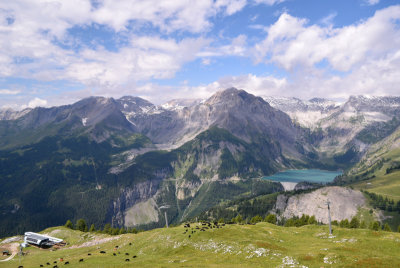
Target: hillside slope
(261,245)
(379,170)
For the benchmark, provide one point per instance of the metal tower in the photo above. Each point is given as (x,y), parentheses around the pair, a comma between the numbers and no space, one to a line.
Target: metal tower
(329,215)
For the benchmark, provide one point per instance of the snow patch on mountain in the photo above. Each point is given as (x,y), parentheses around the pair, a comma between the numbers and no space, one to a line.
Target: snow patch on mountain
(305,113)
(84,121)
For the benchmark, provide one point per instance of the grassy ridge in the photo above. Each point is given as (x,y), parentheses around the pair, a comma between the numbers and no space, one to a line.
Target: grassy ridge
(261,245)
(381,181)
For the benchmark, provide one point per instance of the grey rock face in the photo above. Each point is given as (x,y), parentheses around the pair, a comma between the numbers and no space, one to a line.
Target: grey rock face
(10,114)
(131,196)
(345,203)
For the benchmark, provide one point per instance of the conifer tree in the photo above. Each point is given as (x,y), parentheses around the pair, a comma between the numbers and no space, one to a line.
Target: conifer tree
(376,225)
(271,218)
(354,223)
(344,223)
(69,224)
(92,228)
(387,228)
(312,220)
(81,225)
(107,228)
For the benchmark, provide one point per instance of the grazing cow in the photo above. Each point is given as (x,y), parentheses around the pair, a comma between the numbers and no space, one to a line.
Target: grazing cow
(41,265)
(55,266)
(127,259)
(48,263)
(189,236)
(114,254)
(127,254)
(116,246)
(89,254)
(20,266)
(130,244)
(67,262)
(81,260)
(134,256)
(102,252)
(54,261)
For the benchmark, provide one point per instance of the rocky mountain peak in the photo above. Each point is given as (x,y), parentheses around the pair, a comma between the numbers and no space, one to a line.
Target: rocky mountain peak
(10,114)
(233,97)
(134,105)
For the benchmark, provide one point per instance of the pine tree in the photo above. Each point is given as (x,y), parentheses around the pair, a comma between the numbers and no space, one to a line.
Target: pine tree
(271,218)
(312,220)
(92,228)
(69,224)
(238,219)
(107,228)
(81,225)
(256,219)
(387,228)
(344,223)
(376,225)
(354,223)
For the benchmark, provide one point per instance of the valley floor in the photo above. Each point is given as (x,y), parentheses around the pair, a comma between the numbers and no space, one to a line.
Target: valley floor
(261,245)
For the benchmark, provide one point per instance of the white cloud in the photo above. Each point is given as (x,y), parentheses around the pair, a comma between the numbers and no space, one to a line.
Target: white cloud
(27,47)
(236,47)
(371,2)
(145,58)
(37,102)
(328,20)
(291,42)
(169,16)
(269,2)
(257,85)
(9,92)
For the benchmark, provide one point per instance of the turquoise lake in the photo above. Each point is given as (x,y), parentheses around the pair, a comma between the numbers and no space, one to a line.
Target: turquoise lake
(310,175)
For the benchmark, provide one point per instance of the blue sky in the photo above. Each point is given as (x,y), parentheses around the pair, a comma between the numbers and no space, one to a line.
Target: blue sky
(55,52)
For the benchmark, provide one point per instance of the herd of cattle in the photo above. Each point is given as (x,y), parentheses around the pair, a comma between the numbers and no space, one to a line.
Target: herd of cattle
(61,260)
(204,226)
(190,230)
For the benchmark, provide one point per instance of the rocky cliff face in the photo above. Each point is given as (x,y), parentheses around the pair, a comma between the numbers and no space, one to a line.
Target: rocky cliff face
(10,114)
(120,212)
(345,204)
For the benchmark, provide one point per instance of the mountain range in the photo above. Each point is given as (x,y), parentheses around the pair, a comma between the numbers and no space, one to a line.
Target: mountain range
(121,160)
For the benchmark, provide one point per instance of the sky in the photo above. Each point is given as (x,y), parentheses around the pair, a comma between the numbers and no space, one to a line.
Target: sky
(56,52)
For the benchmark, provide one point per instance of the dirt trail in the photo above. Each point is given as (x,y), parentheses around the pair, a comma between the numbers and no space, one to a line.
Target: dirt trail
(13,248)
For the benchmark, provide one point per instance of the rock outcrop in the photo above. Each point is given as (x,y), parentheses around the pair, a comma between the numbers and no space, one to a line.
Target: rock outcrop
(345,203)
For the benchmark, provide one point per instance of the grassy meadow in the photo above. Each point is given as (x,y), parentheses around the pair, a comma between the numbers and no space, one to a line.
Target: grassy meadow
(260,245)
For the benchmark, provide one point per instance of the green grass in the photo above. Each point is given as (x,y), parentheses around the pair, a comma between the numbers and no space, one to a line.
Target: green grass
(261,245)
(387,185)
(384,184)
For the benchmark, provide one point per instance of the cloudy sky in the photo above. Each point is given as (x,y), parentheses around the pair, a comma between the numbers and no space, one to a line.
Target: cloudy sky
(56,52)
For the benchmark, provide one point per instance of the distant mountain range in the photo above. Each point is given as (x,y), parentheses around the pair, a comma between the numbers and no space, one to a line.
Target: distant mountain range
(119,160)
